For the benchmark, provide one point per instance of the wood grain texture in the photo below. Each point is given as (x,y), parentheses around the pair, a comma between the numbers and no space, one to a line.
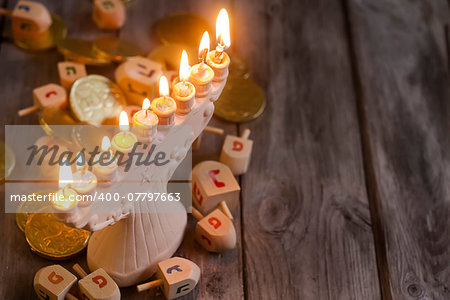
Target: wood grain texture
(402,62)
(307,229)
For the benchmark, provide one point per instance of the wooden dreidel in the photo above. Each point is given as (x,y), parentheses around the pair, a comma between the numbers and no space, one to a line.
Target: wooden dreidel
(69,72)
(236,152)
(45,96)
(53,282)
(29,18)
(109,14)
(209,129)
(215,232)
(96,285)
(177,277)
(213,183)
(138,77)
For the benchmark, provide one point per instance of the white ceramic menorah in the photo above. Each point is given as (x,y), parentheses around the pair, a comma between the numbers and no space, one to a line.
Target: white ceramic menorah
(143,233)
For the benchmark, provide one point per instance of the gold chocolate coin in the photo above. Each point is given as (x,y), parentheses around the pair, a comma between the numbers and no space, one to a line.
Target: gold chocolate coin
(95,99)
(53,239)
(242,100)
(27,208)
(115,49)
(51,118)
(7,160)
(238,66)
(170,55)
(81,51)
(182,28)
(44,41)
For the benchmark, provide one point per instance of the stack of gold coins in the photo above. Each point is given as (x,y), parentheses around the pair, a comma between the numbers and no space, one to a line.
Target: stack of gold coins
(52,239)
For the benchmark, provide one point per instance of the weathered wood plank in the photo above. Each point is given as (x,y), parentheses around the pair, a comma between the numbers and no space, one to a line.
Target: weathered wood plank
(306,221)
(402,62)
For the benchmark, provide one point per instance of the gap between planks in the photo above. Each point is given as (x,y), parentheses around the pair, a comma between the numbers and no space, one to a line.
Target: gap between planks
(378,229)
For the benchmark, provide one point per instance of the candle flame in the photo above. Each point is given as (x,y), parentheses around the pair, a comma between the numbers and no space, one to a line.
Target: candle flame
(106,144)
(124,125)
(163,86)
(146,104)
(65,174)
(203,49)
(184,66)
(223,29)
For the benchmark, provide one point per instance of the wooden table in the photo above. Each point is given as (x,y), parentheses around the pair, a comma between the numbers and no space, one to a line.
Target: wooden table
(348,194)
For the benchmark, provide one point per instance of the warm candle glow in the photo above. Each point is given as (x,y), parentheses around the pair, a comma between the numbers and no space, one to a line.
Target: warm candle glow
(106,144)
(65,174)
(203,49)
(184,66)
(223,29)
(146,104)
(124,125)
(163,87)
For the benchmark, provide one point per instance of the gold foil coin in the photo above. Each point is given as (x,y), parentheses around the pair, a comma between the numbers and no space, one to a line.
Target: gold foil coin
(50,118)
(52,239)
(81,51)
(7,161)
(238,66)
(170,56)
(182,28)
(44,41)
(95,99)
(27,208)
(115,49)
(242,100)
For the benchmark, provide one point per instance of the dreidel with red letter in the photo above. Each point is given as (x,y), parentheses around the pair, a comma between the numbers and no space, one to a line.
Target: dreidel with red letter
(53,282)
(97,285)
(109,14)
(28,18)
(236,152)
(69,72)
(215,232)
(49,95)
(177,277)
(213,184)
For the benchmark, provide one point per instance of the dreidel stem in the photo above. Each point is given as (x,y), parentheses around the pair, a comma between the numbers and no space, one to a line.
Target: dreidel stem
(79,270)
(209,129)
(27,111)
(225,209)
(196,214)
(5,12)
(149,285)
(245,134)
(215,130)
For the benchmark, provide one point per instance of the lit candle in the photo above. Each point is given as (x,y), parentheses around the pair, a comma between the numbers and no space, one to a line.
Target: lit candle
(164,106)
(217,59)
(64,200)
(145,123)
(201,74)
(84,181)
(184,91)
(124,140)
(104,167)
